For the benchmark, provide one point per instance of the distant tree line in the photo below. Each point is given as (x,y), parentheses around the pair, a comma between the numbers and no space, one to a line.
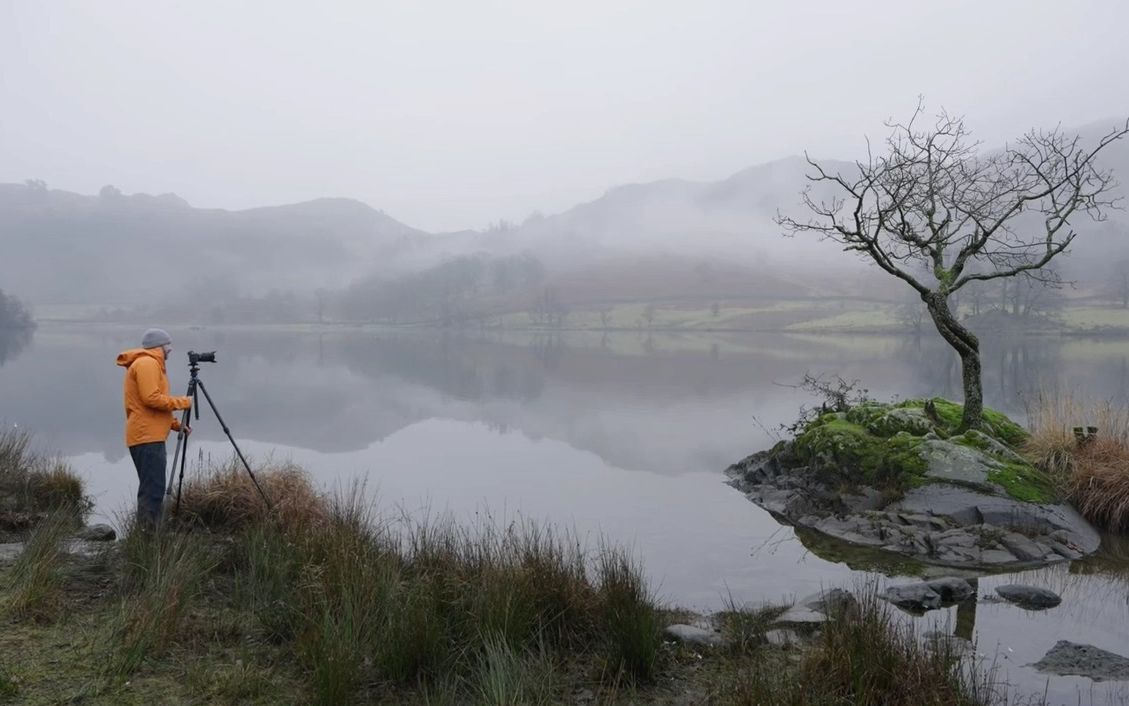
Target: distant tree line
(449,294)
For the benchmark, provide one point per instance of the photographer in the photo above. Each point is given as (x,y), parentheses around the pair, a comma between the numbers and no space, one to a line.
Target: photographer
(149,418)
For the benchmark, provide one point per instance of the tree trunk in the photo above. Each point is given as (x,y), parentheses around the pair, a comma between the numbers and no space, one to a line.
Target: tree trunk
(967,347)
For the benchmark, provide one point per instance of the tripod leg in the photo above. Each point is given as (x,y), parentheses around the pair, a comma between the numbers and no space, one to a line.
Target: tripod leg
(238,452)
(181,446)
(176,453)
(192,386)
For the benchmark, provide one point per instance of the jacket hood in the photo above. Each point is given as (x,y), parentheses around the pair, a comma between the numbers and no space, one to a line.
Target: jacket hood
(126,358)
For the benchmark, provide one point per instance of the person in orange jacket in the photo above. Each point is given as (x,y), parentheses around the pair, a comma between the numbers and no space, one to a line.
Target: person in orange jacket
(149,418)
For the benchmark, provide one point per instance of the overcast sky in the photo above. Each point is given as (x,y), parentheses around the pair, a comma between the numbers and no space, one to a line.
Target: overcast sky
(450,115)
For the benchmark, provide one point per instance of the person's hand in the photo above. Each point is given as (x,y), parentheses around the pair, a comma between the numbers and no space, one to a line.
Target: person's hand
(186,430)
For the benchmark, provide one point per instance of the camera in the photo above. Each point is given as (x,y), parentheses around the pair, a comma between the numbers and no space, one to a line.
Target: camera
(194,357)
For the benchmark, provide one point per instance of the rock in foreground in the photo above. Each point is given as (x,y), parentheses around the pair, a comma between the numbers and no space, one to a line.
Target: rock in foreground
(898,478)
(1072,659)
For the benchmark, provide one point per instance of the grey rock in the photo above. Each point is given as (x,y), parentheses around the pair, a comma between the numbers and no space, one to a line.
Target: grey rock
(928,595)
(97,533)
(996,556)
(10,550)
(799,615)
(690,635)
(951,588)
(1022,547)
(1071,658)
(1029,596)
(781,637)
(866,499)
(993,446)
(829,601)
(952,462)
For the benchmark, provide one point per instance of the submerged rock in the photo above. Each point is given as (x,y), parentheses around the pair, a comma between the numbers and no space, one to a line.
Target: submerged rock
(897,478)
(1072,659)
(1031,597)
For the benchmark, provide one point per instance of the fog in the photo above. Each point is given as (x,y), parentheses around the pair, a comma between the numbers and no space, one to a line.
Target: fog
(449,162)
(452,115)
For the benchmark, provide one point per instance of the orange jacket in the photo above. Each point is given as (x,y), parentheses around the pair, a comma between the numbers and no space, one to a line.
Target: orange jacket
(148,407)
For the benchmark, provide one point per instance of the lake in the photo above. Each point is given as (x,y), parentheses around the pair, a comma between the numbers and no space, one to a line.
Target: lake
(623,436)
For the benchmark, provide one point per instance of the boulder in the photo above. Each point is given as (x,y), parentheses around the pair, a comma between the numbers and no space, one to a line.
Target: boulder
(950,462)
(899,479)
(694,636)
(1073,659)
(1031,597)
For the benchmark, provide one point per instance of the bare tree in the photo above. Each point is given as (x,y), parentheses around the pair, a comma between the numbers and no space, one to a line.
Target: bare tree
(649,314)
(605,317)
(935,198)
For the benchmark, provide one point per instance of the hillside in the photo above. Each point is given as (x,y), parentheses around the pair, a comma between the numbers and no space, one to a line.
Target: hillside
(669,240)
(61,247)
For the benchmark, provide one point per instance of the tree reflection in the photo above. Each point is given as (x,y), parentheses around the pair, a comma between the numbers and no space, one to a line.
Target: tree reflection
(12,342)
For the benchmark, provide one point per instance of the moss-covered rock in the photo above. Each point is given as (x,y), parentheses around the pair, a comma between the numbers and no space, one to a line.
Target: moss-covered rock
(895,447)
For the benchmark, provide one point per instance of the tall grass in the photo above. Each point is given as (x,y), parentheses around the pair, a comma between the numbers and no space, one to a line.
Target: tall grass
(630,617)
(864,657)
(430,603)
(1093,474)
(32,583)
(223,497)
(162,576)
(33,485)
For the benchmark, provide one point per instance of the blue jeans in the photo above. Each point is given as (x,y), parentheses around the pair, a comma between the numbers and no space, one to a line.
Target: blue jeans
(149,460)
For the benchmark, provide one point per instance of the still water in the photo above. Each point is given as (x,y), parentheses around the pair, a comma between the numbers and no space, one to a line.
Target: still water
(623,437)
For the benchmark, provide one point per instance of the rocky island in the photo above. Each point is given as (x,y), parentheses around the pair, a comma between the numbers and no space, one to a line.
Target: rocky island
(902,478)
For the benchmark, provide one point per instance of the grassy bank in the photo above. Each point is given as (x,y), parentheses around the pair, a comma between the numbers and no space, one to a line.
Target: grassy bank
(1092,471)
(34,485)
(320,601)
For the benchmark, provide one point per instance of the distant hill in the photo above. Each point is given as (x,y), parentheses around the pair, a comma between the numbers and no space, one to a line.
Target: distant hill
(667,239)
(61,247)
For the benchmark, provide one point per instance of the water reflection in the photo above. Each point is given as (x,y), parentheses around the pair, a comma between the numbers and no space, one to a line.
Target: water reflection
(13,342)
(622,435)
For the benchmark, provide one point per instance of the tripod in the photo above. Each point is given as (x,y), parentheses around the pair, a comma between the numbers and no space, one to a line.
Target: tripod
(195,386)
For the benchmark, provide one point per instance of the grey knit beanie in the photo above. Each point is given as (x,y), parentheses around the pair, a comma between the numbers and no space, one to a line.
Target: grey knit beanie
(155,338)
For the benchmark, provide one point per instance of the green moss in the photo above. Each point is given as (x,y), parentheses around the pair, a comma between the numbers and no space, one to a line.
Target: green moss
(1024,482)
(1003,428)
(846,453)
(869,446)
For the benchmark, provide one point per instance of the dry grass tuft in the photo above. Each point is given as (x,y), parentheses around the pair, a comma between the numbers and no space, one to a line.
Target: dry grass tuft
(224,498)
(33,485)
(1093,474)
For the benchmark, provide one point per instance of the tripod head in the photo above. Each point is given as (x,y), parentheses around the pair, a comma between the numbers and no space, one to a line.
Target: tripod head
(194,360)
